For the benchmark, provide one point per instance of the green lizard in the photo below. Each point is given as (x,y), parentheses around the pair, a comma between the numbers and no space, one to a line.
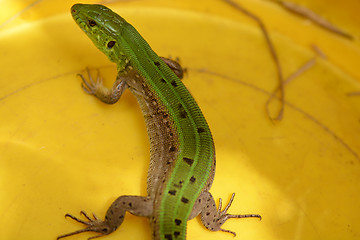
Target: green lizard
(182,155)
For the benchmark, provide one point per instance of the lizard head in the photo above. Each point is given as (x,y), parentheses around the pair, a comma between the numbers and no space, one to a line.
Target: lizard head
(104,28)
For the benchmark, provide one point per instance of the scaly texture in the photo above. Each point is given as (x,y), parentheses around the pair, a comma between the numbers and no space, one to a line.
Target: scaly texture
(182,161)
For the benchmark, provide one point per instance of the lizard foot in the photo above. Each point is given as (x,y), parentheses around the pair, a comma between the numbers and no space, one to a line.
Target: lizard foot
(222,216)
(91,86)
(93,225)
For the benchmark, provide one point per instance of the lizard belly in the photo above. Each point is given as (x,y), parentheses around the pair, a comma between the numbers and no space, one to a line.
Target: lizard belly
(164,141)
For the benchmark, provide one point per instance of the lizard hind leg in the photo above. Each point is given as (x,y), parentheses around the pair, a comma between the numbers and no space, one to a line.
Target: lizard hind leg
(137,205)
(213,218)
(225,216)
(175,66)
(93,225)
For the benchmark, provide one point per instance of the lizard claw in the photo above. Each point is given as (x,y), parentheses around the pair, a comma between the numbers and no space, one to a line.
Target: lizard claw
(90,86)
(222,216)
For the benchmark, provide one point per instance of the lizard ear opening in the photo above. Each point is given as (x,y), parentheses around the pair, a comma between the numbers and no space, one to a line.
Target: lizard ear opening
(111,44)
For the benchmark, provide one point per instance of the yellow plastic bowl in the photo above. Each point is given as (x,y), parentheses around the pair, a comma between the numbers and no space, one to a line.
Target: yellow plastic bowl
(62,151)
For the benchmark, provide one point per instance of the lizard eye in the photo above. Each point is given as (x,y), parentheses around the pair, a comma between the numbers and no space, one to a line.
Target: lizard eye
(92,23)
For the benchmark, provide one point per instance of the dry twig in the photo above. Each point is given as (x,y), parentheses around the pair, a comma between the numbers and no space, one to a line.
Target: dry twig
(297,73)
(351,94)
(280,87)
(315,18)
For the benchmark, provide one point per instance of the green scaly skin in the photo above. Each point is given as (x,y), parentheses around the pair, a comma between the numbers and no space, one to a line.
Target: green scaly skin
(182,155)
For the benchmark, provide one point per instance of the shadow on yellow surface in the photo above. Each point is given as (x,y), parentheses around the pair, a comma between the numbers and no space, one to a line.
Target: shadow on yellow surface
(63,151)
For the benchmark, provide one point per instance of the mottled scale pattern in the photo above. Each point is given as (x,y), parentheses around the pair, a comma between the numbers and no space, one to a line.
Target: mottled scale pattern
(194,152)
(182,155)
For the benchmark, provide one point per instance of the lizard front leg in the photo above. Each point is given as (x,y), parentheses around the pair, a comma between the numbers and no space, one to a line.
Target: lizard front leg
(213,218)
(113,94)
(96,87)
(139,206)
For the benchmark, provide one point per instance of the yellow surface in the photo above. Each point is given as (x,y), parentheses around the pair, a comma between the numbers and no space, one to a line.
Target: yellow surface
(63,151)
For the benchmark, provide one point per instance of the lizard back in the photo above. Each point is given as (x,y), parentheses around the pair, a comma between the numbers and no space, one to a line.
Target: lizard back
(182,151)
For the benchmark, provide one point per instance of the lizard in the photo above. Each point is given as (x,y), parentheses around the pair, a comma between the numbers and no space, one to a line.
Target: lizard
(182,152)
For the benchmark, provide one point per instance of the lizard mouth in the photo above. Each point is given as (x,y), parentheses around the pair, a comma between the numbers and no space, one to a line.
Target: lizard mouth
(80,17)
(81,23)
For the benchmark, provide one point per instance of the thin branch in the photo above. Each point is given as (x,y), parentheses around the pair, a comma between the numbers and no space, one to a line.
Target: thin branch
(318,51)
(18,14)
(309,64)
(315,18)
(352,94)
(274,55)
